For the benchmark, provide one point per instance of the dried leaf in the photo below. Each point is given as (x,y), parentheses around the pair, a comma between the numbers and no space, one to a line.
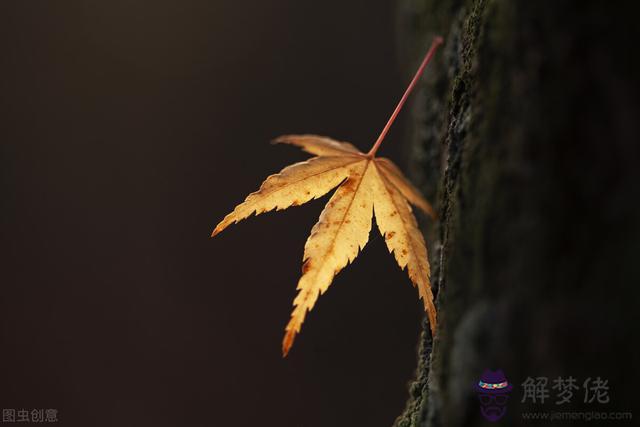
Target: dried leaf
(366,186)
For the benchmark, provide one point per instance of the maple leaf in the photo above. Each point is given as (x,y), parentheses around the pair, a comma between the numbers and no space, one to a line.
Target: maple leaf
(367,186)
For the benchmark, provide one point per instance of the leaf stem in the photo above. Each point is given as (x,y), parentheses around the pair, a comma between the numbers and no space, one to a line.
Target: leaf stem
(432,50)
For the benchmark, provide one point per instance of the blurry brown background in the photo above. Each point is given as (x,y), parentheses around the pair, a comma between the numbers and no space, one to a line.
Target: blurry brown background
(128,129)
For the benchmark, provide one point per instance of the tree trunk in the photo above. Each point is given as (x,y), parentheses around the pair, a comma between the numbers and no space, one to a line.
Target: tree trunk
(526,135)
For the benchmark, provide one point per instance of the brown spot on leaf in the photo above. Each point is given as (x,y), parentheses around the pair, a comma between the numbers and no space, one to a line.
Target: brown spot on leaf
(348,185)
(306,266)
(390,234)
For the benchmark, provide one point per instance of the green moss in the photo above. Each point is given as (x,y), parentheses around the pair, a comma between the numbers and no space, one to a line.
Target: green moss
(444,127)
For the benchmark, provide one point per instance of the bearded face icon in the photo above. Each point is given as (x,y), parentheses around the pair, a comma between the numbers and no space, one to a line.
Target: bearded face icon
(493,392)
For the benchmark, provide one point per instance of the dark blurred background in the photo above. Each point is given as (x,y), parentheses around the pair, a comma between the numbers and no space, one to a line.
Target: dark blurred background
(129,129)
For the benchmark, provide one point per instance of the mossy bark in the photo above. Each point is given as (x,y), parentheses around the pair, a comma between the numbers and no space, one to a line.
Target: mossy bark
(526,134)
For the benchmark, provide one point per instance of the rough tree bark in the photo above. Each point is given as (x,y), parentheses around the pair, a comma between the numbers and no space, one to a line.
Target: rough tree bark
(526,134)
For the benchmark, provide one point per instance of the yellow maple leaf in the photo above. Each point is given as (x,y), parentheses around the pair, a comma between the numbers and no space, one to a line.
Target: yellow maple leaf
(367,186)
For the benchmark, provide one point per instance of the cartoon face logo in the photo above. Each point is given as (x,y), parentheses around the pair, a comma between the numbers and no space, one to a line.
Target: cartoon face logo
(493,392)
